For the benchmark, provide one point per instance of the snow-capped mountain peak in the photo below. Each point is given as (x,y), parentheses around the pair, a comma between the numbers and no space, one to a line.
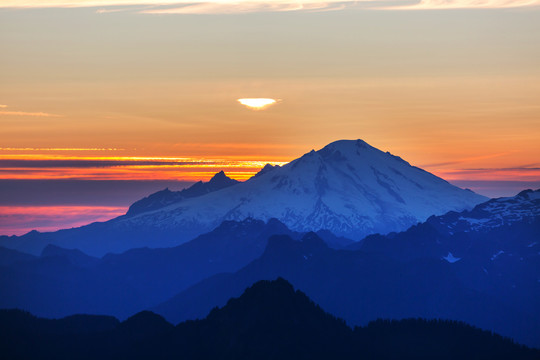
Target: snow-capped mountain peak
(347,187)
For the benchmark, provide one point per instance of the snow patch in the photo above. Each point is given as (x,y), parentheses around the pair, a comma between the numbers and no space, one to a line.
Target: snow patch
(473,221)
(451,258)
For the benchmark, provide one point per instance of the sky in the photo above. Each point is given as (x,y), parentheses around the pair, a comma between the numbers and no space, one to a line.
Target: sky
(103,102)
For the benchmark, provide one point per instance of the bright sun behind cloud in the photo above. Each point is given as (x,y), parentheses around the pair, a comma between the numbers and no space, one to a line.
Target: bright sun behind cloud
(257,103)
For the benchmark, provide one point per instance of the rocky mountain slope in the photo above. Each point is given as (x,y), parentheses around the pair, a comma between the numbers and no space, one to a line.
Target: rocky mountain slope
(349,188)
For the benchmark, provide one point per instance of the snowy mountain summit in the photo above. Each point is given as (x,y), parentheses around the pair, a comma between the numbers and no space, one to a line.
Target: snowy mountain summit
(348,187)
(495,213)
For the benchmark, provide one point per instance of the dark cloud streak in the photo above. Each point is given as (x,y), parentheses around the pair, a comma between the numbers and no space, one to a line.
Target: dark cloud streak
(81,192)
(45,164)
(494,188)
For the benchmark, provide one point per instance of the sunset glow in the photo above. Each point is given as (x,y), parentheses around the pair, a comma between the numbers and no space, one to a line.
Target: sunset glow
(43,166)
(158,155)
(171,91)
(18,220)
(257,103)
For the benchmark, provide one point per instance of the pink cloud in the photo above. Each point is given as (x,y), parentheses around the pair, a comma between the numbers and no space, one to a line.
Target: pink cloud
(18,220)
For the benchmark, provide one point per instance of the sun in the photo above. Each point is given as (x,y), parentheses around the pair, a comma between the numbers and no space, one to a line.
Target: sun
(257,103)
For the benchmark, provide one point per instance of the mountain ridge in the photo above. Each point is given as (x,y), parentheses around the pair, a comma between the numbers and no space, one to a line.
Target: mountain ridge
(269,320)
(487,278)
(166,197)
(311,174)
(121,284)
(348,187)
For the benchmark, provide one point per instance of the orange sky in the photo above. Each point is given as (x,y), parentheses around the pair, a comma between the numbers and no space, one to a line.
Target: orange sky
(447,126)
(120,92)
(435,87)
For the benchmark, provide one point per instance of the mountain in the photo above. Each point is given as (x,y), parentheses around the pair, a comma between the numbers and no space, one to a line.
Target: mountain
(113,235)
(166,197)
(267,168)
(419,273)
(349,188)
(502,228)
(270,320)
(62,282)
(10,257)
(74,256)
(524,207)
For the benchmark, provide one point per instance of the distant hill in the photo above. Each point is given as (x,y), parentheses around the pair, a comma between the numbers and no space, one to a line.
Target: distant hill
(269,321)
(486,276)
(10,256)
(479,266)
(62,282)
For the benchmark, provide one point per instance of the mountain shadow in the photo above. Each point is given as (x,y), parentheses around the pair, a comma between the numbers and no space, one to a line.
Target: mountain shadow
(270,320)
(63,282)
(359,287)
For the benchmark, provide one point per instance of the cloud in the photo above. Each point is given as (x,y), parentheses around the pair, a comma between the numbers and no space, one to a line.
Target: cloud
(25,113)
(57,149)
(497,188)
(28,167)
(187,6)
(56,191)
(491,174)
(3,106)
(247,6)
(68,163)
(466,4)
(465,160)
(22,219)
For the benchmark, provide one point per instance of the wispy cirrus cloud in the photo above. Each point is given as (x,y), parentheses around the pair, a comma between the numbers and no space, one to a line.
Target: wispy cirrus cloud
(214,7)
(525,173)
(466,4)
(57,149)
(464,160)
(247,6)
(26,113)
(188,6)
